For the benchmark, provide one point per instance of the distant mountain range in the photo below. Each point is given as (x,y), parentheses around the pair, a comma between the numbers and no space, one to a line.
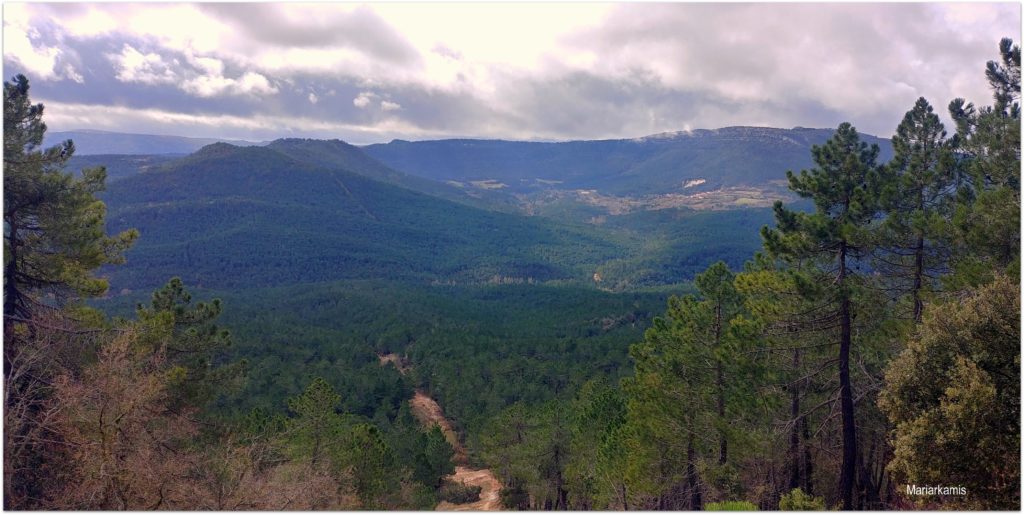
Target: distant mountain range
(91,142)
(669,163)
(700,160)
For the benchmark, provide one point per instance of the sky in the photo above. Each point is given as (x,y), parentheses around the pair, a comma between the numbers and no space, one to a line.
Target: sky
(369,73)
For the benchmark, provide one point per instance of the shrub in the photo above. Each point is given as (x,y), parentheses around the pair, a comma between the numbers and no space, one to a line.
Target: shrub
(797,500)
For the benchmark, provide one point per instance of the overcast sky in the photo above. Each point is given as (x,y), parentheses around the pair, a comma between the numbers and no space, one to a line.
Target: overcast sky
(370,73)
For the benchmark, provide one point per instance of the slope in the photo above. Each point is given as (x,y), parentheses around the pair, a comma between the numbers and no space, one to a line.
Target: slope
(336,154)
(231,217)
(657,164)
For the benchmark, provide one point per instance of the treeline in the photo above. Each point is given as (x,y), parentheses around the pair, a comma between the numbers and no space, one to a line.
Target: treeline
(113,413)
(873,343)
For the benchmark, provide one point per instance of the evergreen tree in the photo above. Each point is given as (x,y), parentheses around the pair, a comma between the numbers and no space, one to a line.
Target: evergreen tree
(316,419)
(435,460)
(54,230)
(687,376)
(195,345)
(844,189)
(987,141)
(920,184)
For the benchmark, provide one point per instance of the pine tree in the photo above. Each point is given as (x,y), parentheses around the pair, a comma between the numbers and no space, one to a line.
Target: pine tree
(54,234)
(194,343)
(920,185)
(316,416)
(844,189)
(987,141)
(687,376)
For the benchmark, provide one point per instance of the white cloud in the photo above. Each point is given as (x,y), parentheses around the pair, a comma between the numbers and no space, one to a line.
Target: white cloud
(363,99)
(71,73)
(387,105)
(23,43)
(129,119)
(148,68)
(250,83)
(313,99)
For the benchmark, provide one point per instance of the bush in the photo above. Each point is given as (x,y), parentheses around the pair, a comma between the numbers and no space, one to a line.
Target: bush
(459,493)
(797,500)
(515,498)
(730,506)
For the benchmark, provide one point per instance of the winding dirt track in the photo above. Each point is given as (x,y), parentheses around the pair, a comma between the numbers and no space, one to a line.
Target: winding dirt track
(429,413)
(489,488)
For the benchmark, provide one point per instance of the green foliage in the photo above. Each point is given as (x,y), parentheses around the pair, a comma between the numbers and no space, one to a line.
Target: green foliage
(987,219)
(54,226)
(687,381)
(730,506)
(435,461)
(192,341)
(798,500)
(514,498)
(918,194)
(954,398)
(316,420)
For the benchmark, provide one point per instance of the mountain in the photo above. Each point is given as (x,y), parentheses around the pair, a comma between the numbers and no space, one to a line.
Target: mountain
(229,217)
(700,160)
(91,142)
(119,166)
(338,154)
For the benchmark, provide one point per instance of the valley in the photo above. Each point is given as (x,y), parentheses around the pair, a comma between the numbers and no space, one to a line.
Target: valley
(416,258)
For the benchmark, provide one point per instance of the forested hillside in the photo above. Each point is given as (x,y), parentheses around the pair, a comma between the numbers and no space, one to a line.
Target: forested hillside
(246,327)
(661,163)
(230,216)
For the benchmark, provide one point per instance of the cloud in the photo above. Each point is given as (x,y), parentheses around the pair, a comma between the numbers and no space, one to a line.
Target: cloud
(585,71)
(316,26)
(205,79)
(256,127)
(27,44)
(364,99)
(148,68)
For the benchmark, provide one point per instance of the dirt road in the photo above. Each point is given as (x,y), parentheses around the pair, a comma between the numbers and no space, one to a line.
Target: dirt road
(489,490)
(429,413)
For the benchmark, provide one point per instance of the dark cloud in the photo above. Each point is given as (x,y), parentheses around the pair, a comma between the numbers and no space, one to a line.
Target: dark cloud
(362,29)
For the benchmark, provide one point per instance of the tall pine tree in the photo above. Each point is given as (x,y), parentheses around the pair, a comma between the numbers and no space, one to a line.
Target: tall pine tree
(843,186)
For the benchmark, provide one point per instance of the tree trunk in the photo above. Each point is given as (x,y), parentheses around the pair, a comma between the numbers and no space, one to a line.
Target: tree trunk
(696,504)
(723,445)
(720,387)
(10,287)
(808,469)
(846,477)
(794,434)
(918,279)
